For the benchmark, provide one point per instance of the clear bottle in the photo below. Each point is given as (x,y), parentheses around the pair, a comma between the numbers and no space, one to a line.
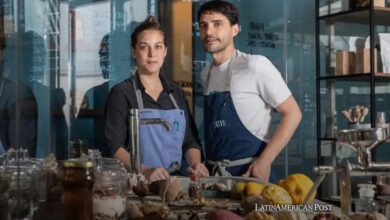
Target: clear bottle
(195,188)
(366,202)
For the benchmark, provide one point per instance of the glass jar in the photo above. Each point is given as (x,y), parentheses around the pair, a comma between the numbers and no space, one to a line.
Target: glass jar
(4,184)
(195,188)
(77,181)
(78,147)
(21,193)
(95,156)
(109,195)
(366,201)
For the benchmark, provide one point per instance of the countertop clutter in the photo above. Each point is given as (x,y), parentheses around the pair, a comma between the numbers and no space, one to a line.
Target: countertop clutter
(93,187)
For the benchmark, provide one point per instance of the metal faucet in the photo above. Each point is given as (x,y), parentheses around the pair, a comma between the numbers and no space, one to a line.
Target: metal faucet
(135,121)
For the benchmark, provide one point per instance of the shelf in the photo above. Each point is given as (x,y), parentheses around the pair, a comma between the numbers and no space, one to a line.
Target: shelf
(361,77)
(327,139)
(91,113)
(360,16)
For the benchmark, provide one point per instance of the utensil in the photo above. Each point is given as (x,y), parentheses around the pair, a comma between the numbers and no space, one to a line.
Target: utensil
(347,115)
(357,114)
(364,113)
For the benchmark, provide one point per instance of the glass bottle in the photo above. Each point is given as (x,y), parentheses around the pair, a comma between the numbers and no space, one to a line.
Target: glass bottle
(381,120)
(366,201)
(195,188)
(77,181)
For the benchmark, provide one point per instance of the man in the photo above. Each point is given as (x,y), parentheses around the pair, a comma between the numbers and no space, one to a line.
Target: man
(240,92)
(18,112)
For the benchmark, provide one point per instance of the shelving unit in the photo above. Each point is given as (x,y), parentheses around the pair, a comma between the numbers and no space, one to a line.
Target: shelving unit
(370,16)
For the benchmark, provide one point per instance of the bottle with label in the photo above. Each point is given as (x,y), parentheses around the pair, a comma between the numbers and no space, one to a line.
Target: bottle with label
(195,188)
(366,202)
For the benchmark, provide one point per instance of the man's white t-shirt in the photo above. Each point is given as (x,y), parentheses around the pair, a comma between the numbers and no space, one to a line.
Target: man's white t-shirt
(256,87)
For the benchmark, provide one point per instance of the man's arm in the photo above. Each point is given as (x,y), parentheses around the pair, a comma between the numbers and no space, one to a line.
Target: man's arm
(290,118)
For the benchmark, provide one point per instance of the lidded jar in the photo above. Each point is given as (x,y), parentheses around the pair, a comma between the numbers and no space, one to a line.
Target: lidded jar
(195,188)
(109,194)
(77,181)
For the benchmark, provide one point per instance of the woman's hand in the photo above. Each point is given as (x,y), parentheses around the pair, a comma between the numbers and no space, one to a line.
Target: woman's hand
(198,169)
(154,174)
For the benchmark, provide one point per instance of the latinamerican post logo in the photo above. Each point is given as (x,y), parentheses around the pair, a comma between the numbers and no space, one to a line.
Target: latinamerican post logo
(319,208)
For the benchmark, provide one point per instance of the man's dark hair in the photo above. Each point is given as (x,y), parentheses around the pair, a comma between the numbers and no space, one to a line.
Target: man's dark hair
(225,8)
(150,23)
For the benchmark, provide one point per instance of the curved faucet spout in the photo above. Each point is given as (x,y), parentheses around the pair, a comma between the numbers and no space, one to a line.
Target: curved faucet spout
(160,121)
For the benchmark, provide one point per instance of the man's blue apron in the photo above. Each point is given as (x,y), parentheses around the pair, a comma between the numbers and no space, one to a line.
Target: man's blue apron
(161,148)
(230,147)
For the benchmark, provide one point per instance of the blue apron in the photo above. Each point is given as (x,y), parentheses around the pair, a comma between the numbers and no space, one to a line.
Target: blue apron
(161,148)
(230,147)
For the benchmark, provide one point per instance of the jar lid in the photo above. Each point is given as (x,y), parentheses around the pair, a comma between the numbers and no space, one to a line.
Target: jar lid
(78,163)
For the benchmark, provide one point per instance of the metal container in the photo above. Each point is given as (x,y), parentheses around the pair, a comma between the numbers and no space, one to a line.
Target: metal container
(356,138)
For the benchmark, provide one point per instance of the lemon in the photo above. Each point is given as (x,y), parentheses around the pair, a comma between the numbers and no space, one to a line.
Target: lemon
(237,190)
(254,188)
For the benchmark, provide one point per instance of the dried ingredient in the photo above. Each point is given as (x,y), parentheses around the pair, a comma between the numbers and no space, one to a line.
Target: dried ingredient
(169,189)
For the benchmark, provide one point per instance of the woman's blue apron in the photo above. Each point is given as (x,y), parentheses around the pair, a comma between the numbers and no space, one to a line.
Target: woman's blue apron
(161,148)
(230,147)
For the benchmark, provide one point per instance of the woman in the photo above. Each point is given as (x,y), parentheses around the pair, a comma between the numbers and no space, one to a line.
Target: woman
(148,90)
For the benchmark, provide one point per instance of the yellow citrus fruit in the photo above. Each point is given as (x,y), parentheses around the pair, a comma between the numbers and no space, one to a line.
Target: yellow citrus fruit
(298,186)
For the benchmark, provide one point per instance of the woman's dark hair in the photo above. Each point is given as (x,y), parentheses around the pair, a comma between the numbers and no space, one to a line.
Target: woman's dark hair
(150,23)
(225,8)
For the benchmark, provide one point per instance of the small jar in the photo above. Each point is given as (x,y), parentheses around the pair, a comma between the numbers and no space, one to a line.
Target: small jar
(109,195)
(77,181)
(195,188)
(366,201)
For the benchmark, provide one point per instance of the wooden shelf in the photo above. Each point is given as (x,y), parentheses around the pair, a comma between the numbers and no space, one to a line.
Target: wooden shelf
(361,77)
(360,16)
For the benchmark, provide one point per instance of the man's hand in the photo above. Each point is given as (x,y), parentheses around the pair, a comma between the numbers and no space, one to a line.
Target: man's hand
(259,169)
(198,169)
(154,174)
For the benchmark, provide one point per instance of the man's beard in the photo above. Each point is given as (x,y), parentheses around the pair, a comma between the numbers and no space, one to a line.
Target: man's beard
(221,47)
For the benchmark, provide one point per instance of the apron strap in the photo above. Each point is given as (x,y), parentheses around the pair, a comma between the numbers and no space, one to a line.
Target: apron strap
(229,73)
(138,95)
(173,100)
(219,167)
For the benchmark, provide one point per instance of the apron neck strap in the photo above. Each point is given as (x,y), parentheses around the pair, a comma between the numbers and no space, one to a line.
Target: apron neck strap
(138,94)
(229,73)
